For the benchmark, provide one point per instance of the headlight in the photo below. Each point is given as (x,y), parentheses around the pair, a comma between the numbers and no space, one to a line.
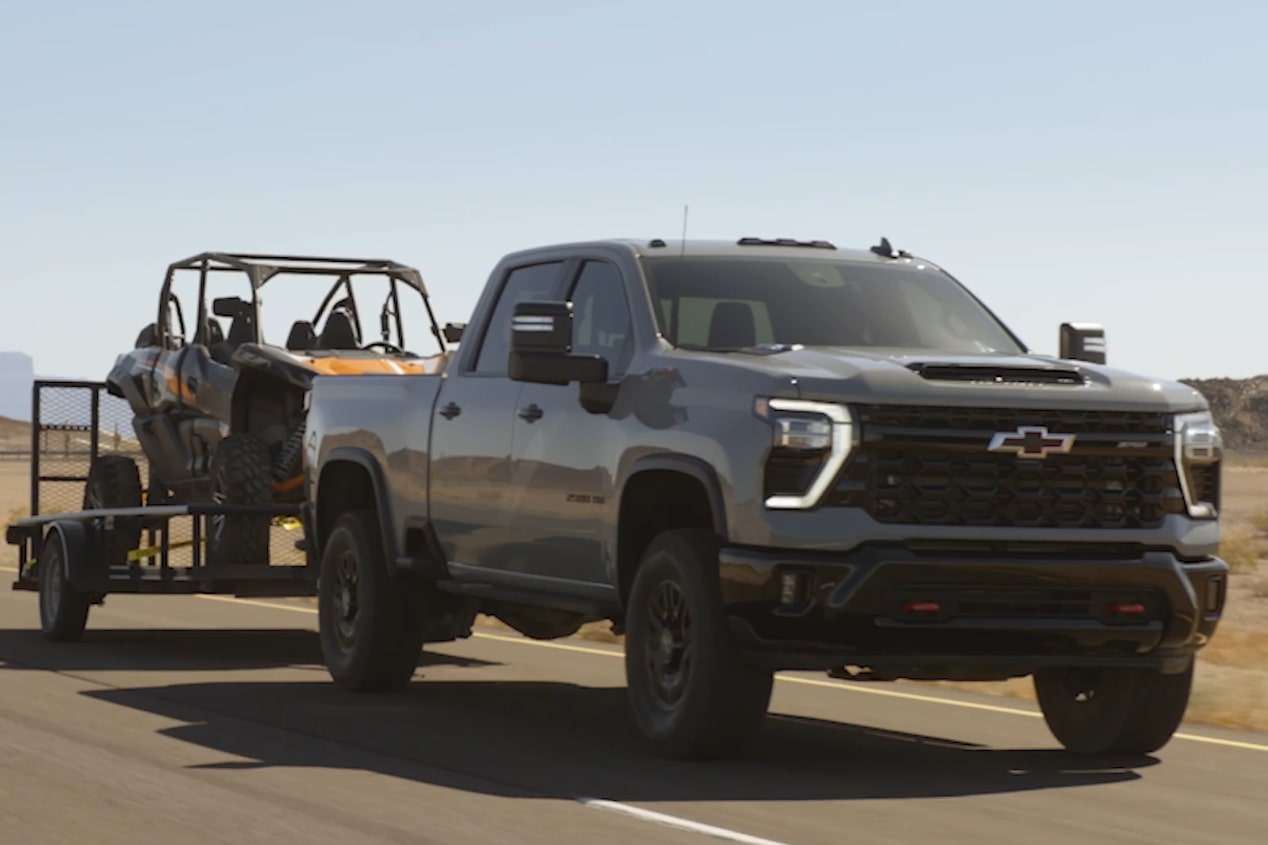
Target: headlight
(810,442)
(1199,449)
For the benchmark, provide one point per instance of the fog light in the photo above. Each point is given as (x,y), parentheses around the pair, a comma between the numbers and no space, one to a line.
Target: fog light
(789,588)
(1127,608)
(921,607)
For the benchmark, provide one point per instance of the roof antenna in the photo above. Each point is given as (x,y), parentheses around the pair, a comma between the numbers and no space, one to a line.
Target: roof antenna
(682,245)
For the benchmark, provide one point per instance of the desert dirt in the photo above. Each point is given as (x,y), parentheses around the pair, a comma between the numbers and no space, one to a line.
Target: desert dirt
(1231,689)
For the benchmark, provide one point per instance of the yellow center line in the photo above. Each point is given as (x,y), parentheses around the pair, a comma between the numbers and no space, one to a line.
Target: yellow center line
(812,682)
(840,686)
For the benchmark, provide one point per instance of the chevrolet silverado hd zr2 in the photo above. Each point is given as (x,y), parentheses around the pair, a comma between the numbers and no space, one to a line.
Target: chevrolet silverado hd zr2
(220,415)
(772,454)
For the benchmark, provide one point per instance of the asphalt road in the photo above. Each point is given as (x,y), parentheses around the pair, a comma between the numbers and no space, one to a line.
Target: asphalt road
(211,720)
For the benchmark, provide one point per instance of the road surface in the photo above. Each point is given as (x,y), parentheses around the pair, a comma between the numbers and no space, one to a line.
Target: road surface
(212,720)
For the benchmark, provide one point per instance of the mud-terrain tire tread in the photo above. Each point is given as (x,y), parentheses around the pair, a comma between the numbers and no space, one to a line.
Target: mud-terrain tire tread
(726,699)
(389,626)
(242,474)
(1140,711)
(114,481)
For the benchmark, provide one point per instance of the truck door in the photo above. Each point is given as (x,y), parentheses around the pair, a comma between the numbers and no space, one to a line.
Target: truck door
(471,432)
(562,495)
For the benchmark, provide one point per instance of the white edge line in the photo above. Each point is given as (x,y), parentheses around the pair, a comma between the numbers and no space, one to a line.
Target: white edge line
(675,821)
(836,685)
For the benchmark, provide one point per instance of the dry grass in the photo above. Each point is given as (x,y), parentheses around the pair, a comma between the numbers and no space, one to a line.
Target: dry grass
(1240,551)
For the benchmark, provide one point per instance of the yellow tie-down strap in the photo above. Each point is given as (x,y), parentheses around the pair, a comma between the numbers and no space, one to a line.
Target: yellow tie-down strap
(287,523)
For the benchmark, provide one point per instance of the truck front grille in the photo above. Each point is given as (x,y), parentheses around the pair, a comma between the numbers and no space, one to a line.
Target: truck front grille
(932,466)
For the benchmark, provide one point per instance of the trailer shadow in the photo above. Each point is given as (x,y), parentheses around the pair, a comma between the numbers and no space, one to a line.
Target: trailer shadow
(540,739)
(178,650)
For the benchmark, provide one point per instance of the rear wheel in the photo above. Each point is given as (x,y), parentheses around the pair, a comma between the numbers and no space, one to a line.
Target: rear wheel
(242,472)
(691,694)
(1113,711)
(63,610)
(371,626)
(115,482)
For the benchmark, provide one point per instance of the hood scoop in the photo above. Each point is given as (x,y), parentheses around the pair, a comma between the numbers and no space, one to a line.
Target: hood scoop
(991,374)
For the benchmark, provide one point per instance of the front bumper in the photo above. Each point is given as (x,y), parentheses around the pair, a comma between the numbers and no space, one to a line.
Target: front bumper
(951,614)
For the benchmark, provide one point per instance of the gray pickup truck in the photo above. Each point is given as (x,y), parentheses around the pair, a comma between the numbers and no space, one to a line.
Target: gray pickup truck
(764,455)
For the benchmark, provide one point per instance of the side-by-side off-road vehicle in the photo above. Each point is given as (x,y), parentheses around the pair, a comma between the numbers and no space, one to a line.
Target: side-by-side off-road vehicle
(219,411)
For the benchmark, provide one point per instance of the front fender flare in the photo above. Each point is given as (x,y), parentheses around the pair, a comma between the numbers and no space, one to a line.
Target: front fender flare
(697,469)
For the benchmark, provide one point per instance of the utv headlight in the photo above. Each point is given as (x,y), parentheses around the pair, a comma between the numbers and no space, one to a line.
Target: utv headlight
(810,442)
(1199,449)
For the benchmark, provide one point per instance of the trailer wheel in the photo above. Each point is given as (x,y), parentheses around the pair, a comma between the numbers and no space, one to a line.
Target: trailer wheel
(691,694)
(115,482)
(242,474)
(371,627)
(63,610)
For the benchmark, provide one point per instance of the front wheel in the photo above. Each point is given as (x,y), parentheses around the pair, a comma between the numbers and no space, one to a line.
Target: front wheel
(1113,711)
(691,694)
(371,627)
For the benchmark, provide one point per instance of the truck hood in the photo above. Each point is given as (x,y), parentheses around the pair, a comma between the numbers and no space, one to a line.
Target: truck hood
(921,376)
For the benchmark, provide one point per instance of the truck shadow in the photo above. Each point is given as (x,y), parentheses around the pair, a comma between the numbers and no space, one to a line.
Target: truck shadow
(540,739)
(178,650)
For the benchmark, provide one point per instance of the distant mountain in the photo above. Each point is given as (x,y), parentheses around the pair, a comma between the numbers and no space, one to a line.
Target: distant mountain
(17,371)
(1240,407)
(59,406)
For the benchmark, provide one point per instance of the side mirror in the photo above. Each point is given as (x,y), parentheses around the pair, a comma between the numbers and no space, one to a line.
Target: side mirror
(541,347)
(1083,342)
(149,336)
(228,306)
(452,332)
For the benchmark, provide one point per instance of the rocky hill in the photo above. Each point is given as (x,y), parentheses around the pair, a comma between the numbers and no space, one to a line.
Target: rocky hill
(1241,409)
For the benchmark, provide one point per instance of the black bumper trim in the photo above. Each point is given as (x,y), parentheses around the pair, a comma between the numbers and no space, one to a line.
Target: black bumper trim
(997,616)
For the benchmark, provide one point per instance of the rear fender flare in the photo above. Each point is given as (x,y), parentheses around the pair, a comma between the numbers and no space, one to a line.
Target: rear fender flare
(382,500)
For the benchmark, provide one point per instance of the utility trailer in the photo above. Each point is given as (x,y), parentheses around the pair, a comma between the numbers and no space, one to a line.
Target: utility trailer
(75,556)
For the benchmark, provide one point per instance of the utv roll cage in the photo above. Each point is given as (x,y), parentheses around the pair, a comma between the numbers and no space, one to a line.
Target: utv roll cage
(261,268)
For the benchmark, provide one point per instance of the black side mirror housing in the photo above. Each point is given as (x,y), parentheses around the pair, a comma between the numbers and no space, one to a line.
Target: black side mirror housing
(1083,342)
(452,332)
(149,336)
(541,347)
(228,306)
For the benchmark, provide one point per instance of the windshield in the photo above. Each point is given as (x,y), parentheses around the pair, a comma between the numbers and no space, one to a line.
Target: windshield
(735,303)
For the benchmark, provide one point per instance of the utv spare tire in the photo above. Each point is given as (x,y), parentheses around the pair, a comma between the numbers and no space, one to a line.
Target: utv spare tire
(242,471)
(115,482)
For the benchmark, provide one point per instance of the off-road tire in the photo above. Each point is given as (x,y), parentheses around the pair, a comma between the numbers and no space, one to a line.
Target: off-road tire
(63,610)
(371,626)
(242,473)
(1130,711)
(115,482)
(723,700)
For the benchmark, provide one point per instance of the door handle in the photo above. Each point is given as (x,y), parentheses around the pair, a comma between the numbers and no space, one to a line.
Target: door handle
(450,411)
(532,413)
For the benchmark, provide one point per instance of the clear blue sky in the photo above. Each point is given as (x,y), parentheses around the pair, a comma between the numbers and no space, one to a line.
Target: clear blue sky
(1089,161)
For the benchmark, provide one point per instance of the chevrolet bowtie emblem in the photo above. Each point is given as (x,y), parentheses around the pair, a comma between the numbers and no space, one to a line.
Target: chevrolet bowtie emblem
(1031,442)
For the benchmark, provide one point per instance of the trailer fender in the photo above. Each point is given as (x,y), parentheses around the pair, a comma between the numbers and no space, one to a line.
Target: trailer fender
(86,569)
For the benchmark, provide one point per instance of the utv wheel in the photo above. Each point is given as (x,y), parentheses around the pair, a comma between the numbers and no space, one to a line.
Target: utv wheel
(691,695)
(371,626)
(242,470)
(115,482)
(63,610)
(1113,711)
